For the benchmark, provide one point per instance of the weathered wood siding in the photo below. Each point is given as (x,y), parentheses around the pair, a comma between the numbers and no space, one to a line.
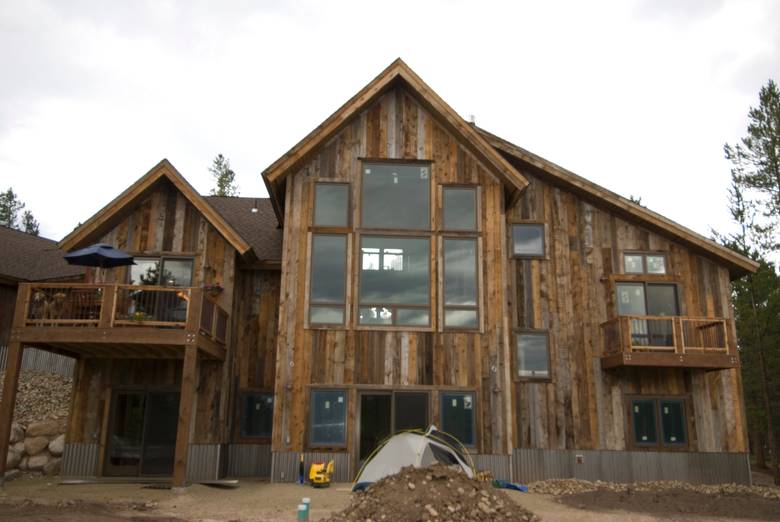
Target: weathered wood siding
(395,126)
(570,293)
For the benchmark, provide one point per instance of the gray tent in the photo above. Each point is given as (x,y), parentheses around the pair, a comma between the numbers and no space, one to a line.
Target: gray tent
(413,448)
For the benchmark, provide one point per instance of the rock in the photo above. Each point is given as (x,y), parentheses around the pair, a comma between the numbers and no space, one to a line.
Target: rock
(52,467)
(23,463)
(35,445)
(37,462)
(19,446)
(17,433)
(47,428)
(11,474)
(13,459)
(410,486)
(57,446)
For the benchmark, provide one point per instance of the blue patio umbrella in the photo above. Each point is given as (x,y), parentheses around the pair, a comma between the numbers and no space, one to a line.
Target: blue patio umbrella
(101,255)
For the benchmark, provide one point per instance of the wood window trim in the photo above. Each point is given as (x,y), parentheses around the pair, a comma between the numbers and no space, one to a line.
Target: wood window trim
(477,207)
(341,447)
(474,447)
(356,304)
(244,439)
(162,258)
(631,442)
(318,229)
(516,363)
(477,281)
(645,283)
(395,161)
(644,254)
(544,255)
(308,303)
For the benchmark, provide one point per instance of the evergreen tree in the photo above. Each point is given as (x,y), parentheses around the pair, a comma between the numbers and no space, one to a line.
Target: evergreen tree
(30,224)
(224,176)
(10,207)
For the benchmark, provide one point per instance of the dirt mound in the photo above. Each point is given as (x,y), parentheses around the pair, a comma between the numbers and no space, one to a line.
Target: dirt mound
(433,493)
(41,396)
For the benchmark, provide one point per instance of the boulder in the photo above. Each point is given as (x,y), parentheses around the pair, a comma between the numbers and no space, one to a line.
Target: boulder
(17,433)
(23,463)
(13,459)
(19,446)
(57,446)
(52,467)
(37,462)
(35,445)
(48,428)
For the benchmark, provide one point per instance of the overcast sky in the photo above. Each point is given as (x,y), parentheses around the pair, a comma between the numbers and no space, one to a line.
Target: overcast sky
(638,96)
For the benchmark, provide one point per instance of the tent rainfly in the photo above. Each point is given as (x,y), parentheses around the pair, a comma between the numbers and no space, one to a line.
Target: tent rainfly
(413,448)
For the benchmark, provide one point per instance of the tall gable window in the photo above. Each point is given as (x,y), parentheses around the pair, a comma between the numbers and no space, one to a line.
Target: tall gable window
(460,208)
(396,196)
(331,205)
(460,283)
(328,278)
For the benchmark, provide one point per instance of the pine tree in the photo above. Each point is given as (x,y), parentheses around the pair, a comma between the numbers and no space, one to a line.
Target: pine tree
(30,224)
(10,207)
(224,176)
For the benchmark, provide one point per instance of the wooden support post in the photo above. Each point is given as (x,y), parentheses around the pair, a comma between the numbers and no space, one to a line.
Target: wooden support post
(189,384)
(13,366)
(107,306)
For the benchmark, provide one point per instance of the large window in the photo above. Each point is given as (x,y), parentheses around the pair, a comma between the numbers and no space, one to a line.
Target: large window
(396,196)
(166,271)
(528,240)
(331,205)
(533,355)
(658,422)
(328,279)
(644,263)
(460,283)
(460,208)
(328,421)
(257,414)
(657,300)
(394,281)
(458,416)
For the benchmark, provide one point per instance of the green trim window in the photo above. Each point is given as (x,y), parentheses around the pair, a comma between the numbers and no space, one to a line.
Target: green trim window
(528,240)
(328,418)
(458,416)
(644,263)
(659,422)
(331,205)
(328,279)
(257,414)
(533,355)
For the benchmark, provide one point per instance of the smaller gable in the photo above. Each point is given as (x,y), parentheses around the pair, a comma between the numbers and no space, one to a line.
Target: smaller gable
(398,71)
(98,224)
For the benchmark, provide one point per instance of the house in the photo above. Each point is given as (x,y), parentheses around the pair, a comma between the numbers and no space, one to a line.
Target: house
(407,269)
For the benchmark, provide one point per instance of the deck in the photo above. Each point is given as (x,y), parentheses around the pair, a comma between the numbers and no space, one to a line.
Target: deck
(678,341)
(119,321)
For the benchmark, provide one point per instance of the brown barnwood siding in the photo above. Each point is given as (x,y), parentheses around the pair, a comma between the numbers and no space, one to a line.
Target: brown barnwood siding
(395,126)
(570,293)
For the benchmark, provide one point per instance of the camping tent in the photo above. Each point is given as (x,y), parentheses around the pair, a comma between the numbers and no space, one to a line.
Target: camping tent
(413,448)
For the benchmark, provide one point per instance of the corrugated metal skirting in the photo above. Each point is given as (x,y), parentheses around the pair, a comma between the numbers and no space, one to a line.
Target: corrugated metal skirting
(284,466)
(206,462)
(249,460)
(80,460)
(531,465)
(42,361)
(497,465)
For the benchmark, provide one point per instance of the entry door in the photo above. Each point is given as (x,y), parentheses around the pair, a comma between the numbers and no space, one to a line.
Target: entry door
(142,433)
(382,414)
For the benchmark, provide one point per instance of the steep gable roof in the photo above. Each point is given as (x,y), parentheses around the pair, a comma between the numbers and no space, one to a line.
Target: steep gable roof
(91,230)
(32,258)
(396,72)
(255,220)
(737,264)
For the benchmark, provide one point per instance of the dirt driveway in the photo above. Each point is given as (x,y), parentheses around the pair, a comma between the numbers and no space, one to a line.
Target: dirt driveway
(40,499)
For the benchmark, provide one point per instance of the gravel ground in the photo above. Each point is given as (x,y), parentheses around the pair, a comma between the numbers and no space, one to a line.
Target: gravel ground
(41,396)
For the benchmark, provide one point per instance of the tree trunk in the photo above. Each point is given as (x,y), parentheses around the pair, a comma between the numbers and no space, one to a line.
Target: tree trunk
(758,448)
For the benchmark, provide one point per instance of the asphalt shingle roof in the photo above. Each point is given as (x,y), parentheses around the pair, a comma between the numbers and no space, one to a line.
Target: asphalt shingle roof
(25,257)
(260,229)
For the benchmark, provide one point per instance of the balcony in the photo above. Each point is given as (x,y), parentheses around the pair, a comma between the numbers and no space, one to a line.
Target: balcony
(119,321)
(681,342)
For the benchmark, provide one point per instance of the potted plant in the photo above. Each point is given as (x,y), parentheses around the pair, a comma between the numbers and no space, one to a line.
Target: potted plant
(213,289)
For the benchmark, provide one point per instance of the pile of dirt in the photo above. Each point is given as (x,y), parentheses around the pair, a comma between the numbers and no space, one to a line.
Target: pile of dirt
(433,493)
(41,396)
(563,487)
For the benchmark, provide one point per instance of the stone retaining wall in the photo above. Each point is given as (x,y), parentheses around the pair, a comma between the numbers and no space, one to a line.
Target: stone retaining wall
(37,447)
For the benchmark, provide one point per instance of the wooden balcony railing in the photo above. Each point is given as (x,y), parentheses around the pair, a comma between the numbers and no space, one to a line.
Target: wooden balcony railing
(121,306)
(667,341)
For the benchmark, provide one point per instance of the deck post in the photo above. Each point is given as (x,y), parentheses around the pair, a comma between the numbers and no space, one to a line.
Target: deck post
(186,408)
(12,368)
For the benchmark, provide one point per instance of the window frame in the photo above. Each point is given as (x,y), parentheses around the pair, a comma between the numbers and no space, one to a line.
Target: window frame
(477,281)
(677,293)
(631,442)
(252,439)
(443,187)
(645,254)
(523,222)
(161,258)
(357,304)
(475,416)
(348,185)
(517,332)
(361,227)
(310,417)
(343,304)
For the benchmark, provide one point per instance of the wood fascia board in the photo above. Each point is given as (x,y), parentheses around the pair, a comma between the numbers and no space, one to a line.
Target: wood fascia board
(740,264)
(397,70)
(163,169)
